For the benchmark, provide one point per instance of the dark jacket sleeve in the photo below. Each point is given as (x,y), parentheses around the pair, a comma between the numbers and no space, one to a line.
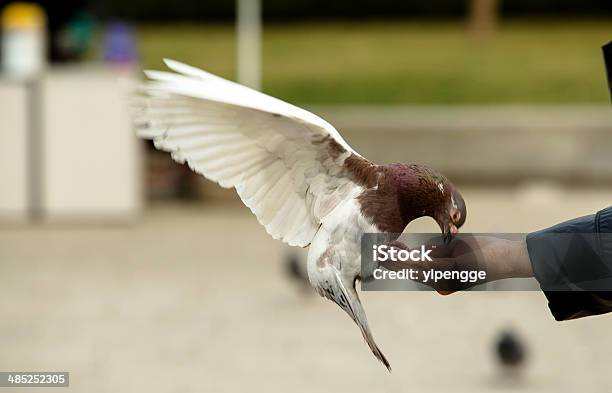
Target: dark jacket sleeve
(572,262)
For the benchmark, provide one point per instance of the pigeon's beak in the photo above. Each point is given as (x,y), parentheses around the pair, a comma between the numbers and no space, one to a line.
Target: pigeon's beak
(449,233)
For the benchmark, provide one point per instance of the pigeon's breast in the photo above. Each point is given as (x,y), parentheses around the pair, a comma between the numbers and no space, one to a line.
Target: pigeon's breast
(380,207)
(342,230)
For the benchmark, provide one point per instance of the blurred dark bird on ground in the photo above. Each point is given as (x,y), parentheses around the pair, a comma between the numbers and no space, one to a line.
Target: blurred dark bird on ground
(510,352)
(296,273)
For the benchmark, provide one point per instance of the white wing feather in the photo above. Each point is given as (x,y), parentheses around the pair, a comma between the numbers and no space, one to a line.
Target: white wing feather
(277,156)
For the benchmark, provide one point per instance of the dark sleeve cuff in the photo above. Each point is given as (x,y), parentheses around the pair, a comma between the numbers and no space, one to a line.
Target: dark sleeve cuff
(572,262)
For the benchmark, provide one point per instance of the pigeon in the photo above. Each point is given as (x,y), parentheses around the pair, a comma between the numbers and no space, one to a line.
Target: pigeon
(295,172)
(295,272)
(510,351)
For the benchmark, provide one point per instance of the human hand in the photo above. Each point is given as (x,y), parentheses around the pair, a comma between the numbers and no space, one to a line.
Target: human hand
(498,258)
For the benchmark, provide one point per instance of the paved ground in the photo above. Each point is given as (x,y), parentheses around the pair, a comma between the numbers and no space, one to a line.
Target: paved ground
(194,299)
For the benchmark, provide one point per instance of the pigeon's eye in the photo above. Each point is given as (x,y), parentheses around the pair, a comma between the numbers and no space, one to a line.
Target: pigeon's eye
(456,216)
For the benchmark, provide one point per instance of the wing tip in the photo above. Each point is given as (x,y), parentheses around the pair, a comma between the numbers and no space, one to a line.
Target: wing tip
(171,63)
(152,74)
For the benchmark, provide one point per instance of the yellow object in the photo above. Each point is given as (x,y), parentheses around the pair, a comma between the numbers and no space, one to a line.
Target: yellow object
(23,16)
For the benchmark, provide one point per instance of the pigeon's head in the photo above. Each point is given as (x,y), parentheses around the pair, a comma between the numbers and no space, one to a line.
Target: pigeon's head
(429,193)
(452,213)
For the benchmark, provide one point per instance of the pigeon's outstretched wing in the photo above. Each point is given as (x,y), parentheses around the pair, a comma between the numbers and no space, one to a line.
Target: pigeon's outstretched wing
(289,166)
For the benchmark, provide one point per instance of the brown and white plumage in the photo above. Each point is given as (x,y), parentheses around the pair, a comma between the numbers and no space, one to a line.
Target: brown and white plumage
(295,172)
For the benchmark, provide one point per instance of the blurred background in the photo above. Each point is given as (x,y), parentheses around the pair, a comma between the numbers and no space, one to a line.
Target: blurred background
(127,270)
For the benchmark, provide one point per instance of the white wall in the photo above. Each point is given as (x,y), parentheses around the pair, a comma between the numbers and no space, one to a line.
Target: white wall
(13,147)
(91,166)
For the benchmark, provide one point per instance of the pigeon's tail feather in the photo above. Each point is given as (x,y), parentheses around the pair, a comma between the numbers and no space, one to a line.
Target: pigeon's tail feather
(329,283)
(357,312)
(367,335)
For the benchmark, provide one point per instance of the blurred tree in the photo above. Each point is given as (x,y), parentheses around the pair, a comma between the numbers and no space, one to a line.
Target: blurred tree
(482,16)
